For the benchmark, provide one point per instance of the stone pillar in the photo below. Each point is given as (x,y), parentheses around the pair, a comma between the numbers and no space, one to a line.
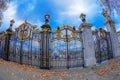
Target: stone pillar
(89,51)
(113,34)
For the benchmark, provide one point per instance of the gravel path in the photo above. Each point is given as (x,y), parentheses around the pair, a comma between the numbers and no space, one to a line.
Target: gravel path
(109,70)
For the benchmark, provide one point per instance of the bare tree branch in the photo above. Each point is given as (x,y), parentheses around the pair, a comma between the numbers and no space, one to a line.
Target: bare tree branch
(111,5)
(3,7)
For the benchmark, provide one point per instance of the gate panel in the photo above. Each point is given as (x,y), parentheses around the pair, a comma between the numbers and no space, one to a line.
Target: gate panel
(26,51)
(35,51)
(67,51)
(2,48)
(103,49)
(58,56)
(12,48)
(110,53)
(17,51)
(76,53)
(2,44)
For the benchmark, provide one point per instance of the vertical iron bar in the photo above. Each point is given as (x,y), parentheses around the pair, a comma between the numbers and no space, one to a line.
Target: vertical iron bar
(82,49)
(14,49)
(7,45)
(28,55)
(21,49)
(107,46)
(31,48)
(99,50)
(0,50)
(46,51)
(67,49)
(111,46)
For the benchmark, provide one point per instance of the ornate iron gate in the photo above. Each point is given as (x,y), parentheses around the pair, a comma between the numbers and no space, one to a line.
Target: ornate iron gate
(66,48)
(2,44)
(24,46)
(12,48)
(56,49)
(103,48)
(36,48)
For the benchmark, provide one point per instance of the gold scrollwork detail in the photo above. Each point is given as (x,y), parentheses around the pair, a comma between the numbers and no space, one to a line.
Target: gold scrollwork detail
(23,33)
(37,31)
(58,33)
(2,36)
(66,38)
(74,33)
(102,33)
(45,29)
(39,40)
(8,32)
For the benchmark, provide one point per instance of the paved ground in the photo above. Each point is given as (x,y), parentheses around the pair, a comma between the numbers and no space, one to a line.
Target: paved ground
(109,70)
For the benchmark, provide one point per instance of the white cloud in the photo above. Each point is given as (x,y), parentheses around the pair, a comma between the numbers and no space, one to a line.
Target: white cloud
(104,27)
(93,28)
(10,14)
(79,6)
(69,11)
(118,27)
(31,6)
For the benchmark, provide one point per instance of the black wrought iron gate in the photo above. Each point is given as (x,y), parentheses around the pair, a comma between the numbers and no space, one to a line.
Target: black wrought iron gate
(51,49)
(67,48)
(2,44)
(103,47)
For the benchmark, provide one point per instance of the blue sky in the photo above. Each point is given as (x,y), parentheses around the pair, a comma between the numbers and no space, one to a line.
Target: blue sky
(63,12)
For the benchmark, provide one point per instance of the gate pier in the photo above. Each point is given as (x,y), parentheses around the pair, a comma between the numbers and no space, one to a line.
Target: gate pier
(89,51)
(110,25)
(45,37)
